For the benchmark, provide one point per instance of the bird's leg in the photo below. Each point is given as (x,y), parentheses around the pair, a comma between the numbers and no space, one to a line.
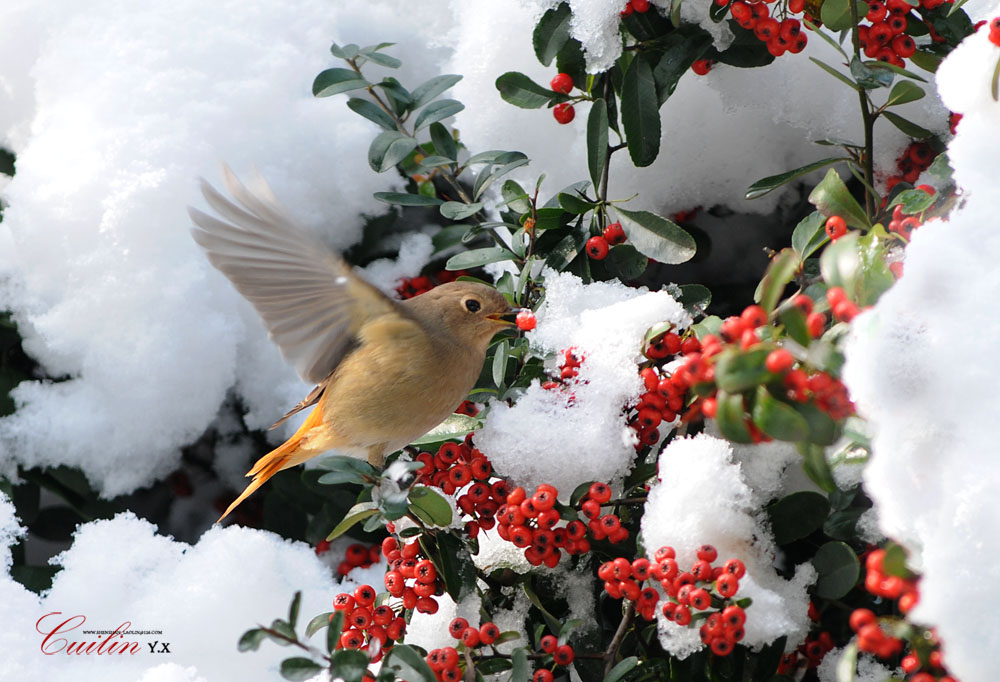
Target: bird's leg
(376,455)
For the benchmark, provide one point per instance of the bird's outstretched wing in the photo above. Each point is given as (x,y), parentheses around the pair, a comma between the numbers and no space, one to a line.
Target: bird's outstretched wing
(310,301)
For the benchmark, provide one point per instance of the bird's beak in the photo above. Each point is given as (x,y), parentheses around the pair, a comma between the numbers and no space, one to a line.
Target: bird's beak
(507,318)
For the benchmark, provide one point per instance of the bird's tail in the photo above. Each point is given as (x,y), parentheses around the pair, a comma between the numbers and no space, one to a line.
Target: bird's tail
(285,456)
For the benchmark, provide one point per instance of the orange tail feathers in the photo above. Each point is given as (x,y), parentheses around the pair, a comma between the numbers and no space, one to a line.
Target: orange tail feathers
(282,457)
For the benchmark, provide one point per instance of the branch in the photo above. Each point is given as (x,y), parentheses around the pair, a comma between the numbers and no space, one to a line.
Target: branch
(616,641)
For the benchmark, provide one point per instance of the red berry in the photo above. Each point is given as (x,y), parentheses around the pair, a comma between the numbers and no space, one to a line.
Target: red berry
(562,83)
(470,637)
(563,112)
(543,675)
(779,361)
(457,627)
(727,585)
(735,568)
(707,553)
(343,602)
(599,492)
(860,618)
(836,227)
(597,248)
(548,643)
(701,66)
(526,320)
(754,316)
(614,234)
(640,6)
(815,323)
(563,654)
(488,633)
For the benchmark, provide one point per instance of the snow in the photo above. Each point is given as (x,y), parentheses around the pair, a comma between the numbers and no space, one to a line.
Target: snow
(584,438)
(869,668)
(919,368)
(702,498)
(201,597)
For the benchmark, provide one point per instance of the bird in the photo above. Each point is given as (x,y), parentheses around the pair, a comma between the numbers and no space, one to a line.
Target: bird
(385,371)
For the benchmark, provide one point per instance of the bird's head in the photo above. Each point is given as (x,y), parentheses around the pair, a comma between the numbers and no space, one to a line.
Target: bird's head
(469,312)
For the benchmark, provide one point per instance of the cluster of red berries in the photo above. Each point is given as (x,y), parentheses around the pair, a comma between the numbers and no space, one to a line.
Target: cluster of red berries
(640,6)
(995,31)
(903,224)
(884,39)
(598,246)
(367,627)
(457,465)
(812,652)
(562,654)
(706,589)
(780,36)
(355,556)
(414,286)
(663,398)
(564,111)
(933,671)
(408,565)
(445,661)
(888,586)
(607,527)
(914,160)
(529,523)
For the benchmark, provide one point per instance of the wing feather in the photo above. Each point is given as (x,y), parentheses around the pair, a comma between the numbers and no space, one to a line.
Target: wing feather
(311,302)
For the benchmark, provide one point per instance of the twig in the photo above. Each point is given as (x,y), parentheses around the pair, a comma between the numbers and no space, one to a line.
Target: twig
(616,641)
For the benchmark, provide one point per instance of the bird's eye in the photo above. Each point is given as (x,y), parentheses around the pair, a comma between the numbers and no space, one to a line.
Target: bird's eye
(472,305)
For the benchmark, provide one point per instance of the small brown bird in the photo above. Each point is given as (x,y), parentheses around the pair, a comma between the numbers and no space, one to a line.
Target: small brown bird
(386,372)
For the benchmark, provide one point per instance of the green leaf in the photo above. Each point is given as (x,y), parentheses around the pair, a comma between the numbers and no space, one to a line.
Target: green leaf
(836,74)
(349,665)
(333,630)
(407,199)
(680,53)
(695,297)
(356,514)
(293,609)
(381,59)
(251,639)
(848,663)
(597,139)
(551,32)
(778,419)
(477,257)
(737,371)
(335,81)
(493,666)
(907,126)
(625,262)
(730,417)
(913,201)
(430,89)
(779,273)
(444,143)
(515,197)
(410,664)
(459,210)
(349,51)
(903,92)
(857,264)
(519,669)
(836,14)
(371,112)
(317,623)
(795,324)
(640,113)
(773,182)
(430,506)
(485,179)
(500,356)
(621,669)
(815,466)
(809,235)
(796,516)
(886,66)
(868,78)
(521,91)
(838,569)
(823,430)
(551,621)
(437,111)
(454,427)
(574,204)
(388,149)
(344,469)
(457,568)
(656,237)
(832,197)
(842,525)
(299,668)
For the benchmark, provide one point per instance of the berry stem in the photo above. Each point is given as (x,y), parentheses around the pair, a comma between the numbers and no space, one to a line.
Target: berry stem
(867,119)
(616,641)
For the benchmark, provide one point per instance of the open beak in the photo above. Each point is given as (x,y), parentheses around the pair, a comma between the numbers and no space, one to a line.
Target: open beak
(507,318)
